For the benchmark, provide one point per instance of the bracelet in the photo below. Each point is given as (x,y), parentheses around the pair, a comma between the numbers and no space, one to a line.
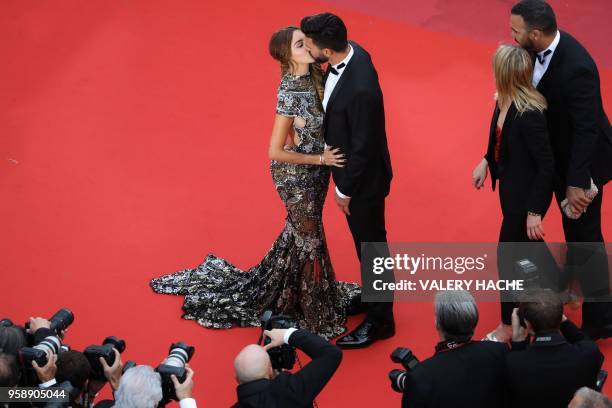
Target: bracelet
(321,160)
(533,214)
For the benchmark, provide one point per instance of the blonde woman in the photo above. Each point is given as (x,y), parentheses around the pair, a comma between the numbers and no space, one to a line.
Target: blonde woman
(519,156)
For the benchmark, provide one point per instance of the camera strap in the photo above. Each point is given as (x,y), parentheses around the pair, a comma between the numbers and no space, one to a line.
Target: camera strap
(443,346)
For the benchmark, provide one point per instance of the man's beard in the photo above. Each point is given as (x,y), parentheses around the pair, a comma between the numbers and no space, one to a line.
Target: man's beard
(528,45)
(321,59)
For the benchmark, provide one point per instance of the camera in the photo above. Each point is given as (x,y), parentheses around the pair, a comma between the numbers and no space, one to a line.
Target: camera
(282,357)
(93,354)
(403,356)
(602,376)
(50,344)
(528,272)
(60,321)
(180,354)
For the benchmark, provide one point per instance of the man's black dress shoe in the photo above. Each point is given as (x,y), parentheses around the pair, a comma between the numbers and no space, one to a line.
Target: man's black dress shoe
(597,333)
(365,334)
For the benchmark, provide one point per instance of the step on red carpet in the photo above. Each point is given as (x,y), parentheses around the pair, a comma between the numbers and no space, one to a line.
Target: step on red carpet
(133,141)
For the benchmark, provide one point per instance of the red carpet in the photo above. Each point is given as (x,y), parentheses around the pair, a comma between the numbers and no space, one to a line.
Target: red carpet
(133,140)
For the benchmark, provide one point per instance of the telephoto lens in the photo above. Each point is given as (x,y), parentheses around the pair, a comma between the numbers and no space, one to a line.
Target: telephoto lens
(61,320)
(180,354)
(93,354)
(403,356)
(51,344)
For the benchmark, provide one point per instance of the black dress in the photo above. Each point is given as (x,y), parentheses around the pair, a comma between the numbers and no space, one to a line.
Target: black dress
(295,277)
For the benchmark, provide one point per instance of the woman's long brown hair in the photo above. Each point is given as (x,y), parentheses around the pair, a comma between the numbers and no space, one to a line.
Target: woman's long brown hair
(280,50)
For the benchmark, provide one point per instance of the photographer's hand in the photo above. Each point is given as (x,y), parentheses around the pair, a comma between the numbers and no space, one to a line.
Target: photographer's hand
(519,333)
(113,373)
(277,338)
(47,372)
(37,323)
(184,389)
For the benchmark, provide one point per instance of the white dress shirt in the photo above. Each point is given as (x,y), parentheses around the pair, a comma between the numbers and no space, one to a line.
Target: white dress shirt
(187,403)
(330,84)
(539,69)
(288,334)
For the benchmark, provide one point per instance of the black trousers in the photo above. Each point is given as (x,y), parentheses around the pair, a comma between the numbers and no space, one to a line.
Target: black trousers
(367,224)
(515,245)
(587,260)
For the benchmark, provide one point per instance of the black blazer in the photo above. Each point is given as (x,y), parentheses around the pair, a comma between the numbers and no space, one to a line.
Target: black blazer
(579,129)
(470,376)
(299,389)
(355,122)
(526,166)
(548,372)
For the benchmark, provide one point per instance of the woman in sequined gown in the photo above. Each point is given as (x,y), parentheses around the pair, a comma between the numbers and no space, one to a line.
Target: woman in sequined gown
(295,277)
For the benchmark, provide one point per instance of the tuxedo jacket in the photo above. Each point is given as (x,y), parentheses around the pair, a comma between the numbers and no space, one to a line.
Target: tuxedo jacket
(579,129)
(526,165)
(299,389)
(355,122)
(548,372)
(470,376)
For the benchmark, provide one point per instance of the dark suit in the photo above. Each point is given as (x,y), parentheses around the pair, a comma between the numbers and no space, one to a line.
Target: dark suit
(525,172)
(299,389)
(355,122)
(581,139)
(473,375)
(548,372)
(526,166)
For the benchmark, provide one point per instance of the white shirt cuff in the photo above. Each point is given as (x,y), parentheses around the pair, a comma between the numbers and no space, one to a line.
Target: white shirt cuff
(48,383)
(288,334)
(187,403)
(340,194)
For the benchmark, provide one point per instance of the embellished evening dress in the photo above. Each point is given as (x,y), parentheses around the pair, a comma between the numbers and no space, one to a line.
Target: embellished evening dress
(295,277)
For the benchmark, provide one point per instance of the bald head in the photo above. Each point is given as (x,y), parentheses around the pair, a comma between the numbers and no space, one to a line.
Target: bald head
(252,363)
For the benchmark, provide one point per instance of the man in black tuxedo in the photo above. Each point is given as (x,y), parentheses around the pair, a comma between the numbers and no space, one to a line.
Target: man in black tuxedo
(581,139)
(261,387)
(355,123)
(559,361)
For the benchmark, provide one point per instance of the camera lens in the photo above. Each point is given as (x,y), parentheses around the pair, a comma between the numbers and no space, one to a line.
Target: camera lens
(398,380)
(180,354)
(61,320)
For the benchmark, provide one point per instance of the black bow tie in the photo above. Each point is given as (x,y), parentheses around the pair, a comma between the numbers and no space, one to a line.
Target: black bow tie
(542,58)
(334,71)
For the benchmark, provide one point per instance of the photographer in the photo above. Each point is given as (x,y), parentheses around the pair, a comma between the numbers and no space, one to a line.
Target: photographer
(73,366)
(260,386)
(560,360)
(47,340)
(141,387)
(9,370)
(462,372)
(12,338)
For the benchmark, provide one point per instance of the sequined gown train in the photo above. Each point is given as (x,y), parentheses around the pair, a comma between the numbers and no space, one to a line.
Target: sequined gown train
(295,277)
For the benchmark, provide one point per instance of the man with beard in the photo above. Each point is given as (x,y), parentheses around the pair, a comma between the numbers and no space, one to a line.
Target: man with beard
(581,139)
(355,122)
